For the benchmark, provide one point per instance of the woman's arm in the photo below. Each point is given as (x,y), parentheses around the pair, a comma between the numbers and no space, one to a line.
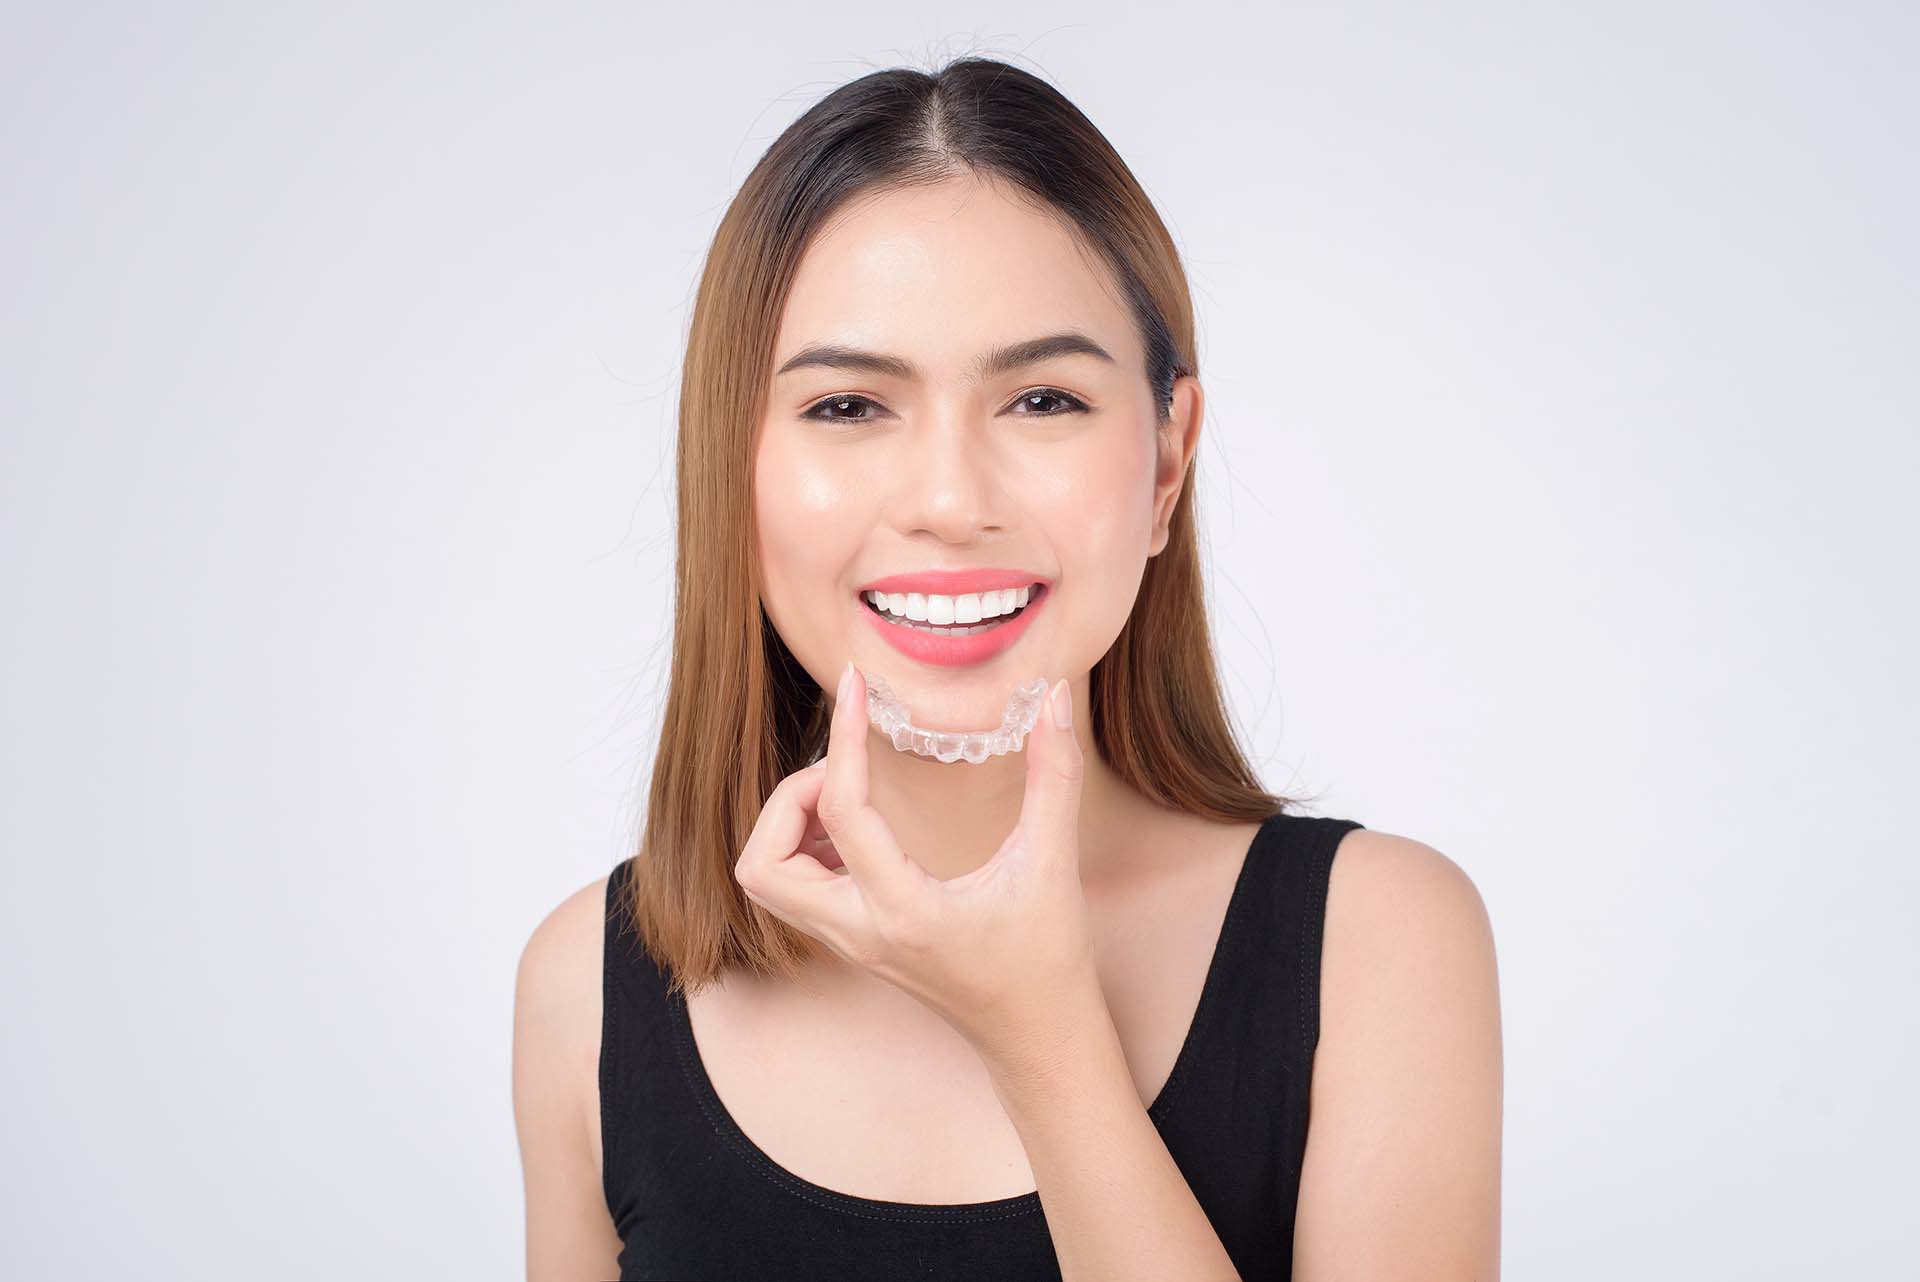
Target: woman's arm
(1118,1207)
(556,1052)
(1401,1178)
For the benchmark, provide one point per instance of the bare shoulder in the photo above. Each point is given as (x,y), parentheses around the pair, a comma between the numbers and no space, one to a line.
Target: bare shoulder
(1407,951)
(556,1105)
(1384,881)
(557,986)
(1402,1173)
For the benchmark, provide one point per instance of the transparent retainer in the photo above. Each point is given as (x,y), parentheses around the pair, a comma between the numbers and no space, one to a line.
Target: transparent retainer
(889,717)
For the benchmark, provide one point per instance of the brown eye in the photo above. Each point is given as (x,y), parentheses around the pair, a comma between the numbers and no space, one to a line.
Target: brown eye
(1068,404)
(838,404)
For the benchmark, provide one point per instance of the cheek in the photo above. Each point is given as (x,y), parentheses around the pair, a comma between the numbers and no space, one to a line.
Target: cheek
(1099,500)
(1100,522)
(795,489)
(807,522)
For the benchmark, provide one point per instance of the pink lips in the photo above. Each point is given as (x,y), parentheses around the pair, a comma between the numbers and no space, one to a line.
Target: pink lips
(955,651)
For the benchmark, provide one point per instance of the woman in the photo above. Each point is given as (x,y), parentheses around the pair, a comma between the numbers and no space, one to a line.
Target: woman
(857,1012)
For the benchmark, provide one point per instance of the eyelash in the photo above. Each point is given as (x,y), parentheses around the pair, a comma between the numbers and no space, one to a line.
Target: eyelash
(1074,405)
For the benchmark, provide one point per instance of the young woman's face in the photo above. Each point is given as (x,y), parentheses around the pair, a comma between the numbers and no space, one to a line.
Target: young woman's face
(1053,468)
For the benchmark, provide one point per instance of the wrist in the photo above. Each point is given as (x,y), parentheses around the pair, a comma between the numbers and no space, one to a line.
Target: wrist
(1056,1045)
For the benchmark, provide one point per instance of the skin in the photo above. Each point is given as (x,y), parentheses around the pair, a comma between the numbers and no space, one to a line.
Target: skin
(1401,1175)
(943,473)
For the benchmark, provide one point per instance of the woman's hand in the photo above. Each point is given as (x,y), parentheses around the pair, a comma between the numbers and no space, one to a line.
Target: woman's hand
(997,951)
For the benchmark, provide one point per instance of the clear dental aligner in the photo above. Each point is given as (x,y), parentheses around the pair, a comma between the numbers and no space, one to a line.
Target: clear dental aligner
(889,716)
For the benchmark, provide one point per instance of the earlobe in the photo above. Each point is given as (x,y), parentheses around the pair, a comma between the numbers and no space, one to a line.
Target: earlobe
(1175,442)
(1157,532)
(1170,479)
(1180,435)
(1167,439)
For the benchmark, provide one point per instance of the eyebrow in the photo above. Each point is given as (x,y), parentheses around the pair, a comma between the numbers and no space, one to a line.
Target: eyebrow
(990,364)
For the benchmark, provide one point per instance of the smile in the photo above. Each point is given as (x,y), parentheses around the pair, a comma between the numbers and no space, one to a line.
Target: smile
(946,616)
(954,631)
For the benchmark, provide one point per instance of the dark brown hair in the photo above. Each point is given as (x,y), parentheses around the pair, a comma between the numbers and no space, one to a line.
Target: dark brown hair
(741,713)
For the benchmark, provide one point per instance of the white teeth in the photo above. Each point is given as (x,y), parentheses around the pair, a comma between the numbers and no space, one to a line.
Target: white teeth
(944,611)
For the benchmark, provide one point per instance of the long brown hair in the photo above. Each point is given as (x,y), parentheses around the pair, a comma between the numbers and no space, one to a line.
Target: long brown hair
(741,713)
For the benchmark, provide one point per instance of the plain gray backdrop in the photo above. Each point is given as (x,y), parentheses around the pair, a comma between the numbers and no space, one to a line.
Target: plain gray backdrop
(1558,482)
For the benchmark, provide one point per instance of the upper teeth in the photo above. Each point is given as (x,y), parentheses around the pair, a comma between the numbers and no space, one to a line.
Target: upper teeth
(943,610)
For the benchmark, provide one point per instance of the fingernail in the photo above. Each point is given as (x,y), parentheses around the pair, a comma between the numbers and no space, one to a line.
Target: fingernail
(1063,705)
(846,675)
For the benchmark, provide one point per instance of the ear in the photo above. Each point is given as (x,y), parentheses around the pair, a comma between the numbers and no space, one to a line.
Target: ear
(1175,442)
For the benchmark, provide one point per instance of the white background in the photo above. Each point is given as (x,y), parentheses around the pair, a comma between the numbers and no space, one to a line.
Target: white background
(1558,484)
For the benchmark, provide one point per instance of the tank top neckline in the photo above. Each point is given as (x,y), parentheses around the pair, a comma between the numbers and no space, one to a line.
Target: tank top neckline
(1020,1204)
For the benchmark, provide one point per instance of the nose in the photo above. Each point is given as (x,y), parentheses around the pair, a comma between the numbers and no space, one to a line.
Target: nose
(950,482)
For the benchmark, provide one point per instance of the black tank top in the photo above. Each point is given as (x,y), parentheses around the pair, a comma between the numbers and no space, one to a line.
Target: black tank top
(693,1198)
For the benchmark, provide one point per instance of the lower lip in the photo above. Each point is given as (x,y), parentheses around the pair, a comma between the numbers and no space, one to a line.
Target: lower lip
(955,651)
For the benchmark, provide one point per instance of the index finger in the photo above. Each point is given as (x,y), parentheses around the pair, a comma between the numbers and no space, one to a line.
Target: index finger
(891,881)
(780,829)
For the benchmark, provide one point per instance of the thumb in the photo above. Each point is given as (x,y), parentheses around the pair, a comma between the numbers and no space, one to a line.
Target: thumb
(1056,767)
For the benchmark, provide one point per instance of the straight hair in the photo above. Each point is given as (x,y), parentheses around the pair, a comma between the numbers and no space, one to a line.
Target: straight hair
(741,713)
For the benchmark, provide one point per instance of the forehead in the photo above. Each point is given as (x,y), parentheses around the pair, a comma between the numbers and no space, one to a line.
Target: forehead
(939,273)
